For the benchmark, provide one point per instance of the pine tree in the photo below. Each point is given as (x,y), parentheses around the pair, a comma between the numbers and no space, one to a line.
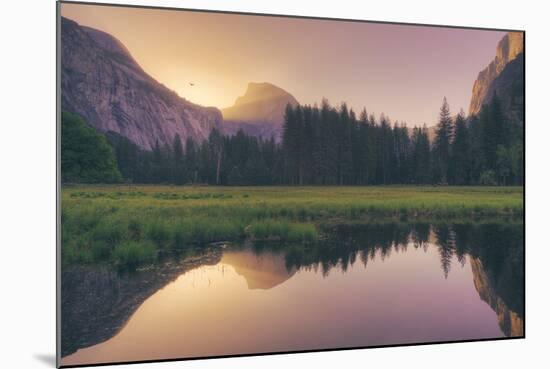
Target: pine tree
(157,165)
(343,138)
(329,131)
(494,132)
(178,166)
(421,156)
(385,148)
(475,133)
(215,142)
(361,152)
(299,146)
(372,150)
(442,144)
(290,144)
(460,152)
(317,165)
(306,145)
(191,159)
(177,148)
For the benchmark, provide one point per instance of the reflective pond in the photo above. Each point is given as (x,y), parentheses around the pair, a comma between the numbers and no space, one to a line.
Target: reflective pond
(365,285)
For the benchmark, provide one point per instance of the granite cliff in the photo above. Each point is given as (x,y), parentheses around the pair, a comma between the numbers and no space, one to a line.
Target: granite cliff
(101,81)
(503,76)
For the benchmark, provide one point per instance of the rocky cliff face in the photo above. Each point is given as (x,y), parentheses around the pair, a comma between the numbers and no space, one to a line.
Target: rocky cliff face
(510,322)
(103,83)
(503,74)
(259,112)
(508,86)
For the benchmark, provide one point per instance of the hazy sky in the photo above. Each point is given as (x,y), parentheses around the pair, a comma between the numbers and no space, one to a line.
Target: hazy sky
(403,71)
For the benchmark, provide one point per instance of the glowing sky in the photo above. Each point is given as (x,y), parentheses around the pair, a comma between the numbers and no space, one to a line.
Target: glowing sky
(401,70)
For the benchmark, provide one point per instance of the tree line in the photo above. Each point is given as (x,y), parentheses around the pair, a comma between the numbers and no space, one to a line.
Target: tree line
(222,160)
(330,145)
(333,146)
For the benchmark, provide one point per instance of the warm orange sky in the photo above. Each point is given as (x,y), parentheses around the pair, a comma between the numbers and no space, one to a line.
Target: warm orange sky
(403,71)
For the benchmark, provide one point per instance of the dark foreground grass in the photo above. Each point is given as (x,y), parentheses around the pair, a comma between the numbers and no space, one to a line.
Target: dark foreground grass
(129,226)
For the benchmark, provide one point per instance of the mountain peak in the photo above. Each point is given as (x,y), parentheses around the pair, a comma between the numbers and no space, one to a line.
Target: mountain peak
(508,48)
(263,91)
(259,112)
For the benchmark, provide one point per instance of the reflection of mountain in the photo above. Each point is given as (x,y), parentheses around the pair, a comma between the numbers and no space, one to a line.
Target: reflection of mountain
(97,302)
(103,83)
(261,271)
(259,112)
(509,321)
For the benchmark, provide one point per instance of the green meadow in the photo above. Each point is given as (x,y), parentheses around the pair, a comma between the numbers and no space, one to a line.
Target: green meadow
(131,225)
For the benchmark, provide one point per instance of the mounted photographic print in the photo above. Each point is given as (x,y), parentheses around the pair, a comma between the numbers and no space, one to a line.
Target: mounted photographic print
(246,184)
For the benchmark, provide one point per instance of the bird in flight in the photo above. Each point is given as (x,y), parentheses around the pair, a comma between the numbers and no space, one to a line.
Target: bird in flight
(191,84)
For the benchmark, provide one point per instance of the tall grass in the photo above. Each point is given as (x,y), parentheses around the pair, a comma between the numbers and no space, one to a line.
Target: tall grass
(118,225)
(283,230)
(134,253)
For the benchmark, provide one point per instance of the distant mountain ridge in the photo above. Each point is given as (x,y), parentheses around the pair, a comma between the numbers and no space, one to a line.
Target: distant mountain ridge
(259,112)
(504,75)
(102,82)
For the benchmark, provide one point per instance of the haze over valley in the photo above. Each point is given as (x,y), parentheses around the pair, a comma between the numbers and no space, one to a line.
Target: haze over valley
(402,71)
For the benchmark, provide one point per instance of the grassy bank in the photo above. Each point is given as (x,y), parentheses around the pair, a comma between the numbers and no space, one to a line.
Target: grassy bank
(130,225)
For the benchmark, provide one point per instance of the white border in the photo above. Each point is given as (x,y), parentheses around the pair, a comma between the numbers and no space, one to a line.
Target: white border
(27,153)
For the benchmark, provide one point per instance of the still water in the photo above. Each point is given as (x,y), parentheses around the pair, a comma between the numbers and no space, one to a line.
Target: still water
(364,286)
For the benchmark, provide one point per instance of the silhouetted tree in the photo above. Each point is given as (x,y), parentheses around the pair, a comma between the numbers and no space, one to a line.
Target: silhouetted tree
(442,144)
(460,163)
(179,172)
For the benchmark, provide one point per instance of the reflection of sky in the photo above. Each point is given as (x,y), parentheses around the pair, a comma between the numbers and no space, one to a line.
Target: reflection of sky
(213,311)
(403,71)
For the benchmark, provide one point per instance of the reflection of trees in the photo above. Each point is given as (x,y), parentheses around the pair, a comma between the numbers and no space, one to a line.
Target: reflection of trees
(497,247)
(461,241)
(445,242)
(499,244)
(419,235)
(346,243)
